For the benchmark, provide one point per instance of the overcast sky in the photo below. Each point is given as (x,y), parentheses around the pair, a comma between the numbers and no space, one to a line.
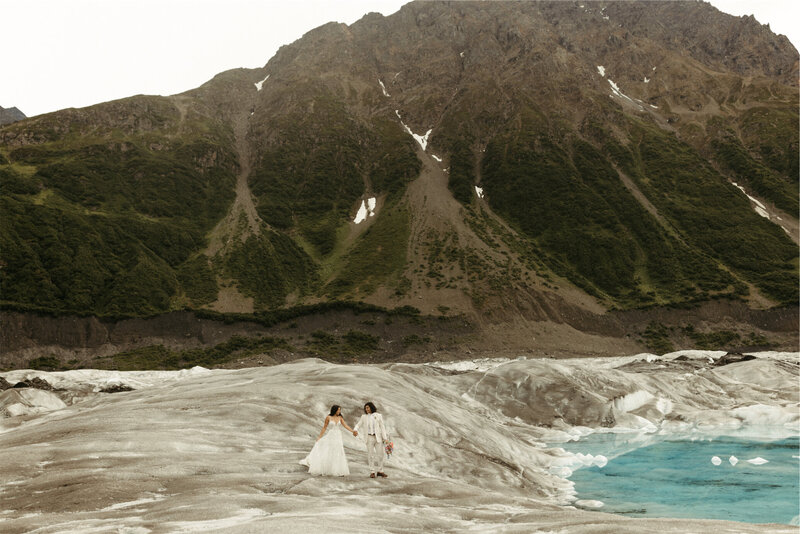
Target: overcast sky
(74,53)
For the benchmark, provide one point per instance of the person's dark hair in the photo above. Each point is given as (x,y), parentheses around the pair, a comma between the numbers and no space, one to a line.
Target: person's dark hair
(334,408)
(372,408)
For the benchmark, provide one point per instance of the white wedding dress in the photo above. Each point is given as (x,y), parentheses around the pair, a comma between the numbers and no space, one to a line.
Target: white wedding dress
(327,456)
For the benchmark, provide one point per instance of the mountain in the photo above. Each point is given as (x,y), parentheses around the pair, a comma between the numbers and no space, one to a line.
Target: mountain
(511,161)
(9,115)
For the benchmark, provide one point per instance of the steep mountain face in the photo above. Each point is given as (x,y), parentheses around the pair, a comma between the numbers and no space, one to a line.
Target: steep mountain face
(9,115)
(544,160)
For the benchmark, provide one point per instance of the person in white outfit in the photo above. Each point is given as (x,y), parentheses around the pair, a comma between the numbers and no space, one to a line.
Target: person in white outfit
(327,456)
(371,423)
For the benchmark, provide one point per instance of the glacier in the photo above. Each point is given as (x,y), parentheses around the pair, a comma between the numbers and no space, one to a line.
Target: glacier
(203,449)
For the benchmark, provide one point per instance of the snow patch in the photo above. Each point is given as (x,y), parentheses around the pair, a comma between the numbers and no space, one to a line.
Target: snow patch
(421,139)
(602,70)
(758,206)
(261,83)
(479,191)
(615,91)
(761,211)
(367,209)
(361,215)
(437,158)
(646,79)
(383,88)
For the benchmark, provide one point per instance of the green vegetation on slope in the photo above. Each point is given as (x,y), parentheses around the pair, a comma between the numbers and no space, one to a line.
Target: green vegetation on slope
(155,357)
(129,178)
(462,174)
(568,199)
(711,214)
(273,317)
(104,221)
(268,267)
(379,255)
(341,348)
(766,182)
(106,210)
(108,213)
(774,135)
(391,158)
(312,178)
(197,279)
(665,267)
(60,259)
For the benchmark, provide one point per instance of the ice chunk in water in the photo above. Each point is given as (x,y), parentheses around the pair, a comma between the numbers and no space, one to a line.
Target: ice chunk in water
(757,461)
(733,460)
(716,460)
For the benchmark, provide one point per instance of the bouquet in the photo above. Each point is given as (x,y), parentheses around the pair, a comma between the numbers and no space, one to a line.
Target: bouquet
(388,447)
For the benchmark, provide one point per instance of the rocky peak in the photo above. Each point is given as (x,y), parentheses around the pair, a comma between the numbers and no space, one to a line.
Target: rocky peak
(9,115)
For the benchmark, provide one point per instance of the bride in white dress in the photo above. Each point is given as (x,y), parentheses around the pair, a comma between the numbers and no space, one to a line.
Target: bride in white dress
(327,456)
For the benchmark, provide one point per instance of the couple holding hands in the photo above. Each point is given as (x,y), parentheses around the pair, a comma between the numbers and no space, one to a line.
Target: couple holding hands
(327,456)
